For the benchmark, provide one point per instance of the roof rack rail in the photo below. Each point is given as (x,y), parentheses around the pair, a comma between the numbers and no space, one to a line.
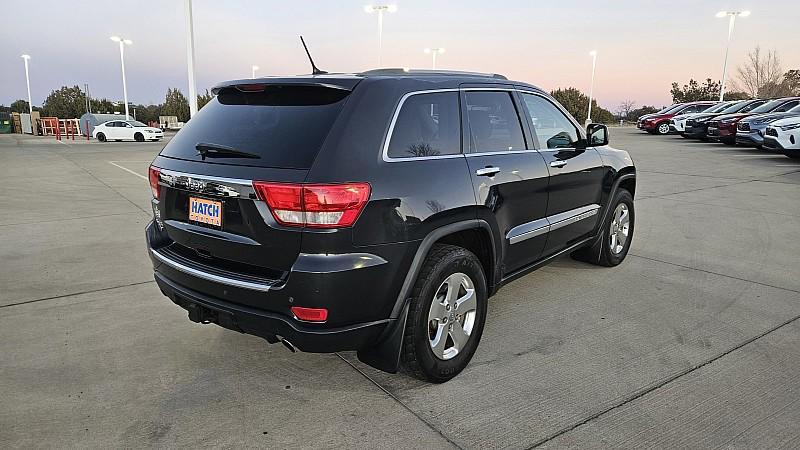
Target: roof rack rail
(428,72)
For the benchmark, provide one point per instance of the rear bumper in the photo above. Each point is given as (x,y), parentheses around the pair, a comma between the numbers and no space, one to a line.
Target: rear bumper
(270,326)
(357,289)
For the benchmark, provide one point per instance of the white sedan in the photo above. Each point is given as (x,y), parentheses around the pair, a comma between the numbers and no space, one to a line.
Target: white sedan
(784,136)
(126,130)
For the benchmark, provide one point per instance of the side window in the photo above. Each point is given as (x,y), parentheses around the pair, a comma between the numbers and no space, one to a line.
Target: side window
(787,106)
(427,125)
(111,124)
(494,125)
(752,106)
(551,126)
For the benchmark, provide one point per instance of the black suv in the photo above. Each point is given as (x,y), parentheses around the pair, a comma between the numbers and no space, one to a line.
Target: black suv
(378,211)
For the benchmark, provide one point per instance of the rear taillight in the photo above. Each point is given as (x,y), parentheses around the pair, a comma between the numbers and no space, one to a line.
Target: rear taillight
(314,205)
(153,175)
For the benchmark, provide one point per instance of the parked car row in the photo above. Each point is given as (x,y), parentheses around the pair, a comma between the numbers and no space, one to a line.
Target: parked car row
(769,124)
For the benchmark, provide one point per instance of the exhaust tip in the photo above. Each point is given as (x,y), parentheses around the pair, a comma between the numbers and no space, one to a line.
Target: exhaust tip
(287,344)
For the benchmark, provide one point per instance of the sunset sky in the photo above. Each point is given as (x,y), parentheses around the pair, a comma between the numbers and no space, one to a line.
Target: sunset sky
(642,45)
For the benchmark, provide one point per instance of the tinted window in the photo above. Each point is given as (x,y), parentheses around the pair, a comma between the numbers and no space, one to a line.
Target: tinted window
(552,127)
(767,107)
(284,125)
(427,125)
(719,107)
(752,106)
(111,124)
(787,106)
(493,122)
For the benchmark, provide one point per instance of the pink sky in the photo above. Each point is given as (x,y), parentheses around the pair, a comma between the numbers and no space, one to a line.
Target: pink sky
(643,45)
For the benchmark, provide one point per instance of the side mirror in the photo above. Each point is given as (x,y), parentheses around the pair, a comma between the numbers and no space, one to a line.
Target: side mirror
(597,135)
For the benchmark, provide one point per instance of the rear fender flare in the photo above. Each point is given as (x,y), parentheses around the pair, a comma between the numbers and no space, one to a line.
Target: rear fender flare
(385,354)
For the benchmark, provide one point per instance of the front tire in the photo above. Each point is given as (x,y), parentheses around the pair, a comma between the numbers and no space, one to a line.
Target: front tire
(446,316)
(662,128)
(616,234)
(138,137)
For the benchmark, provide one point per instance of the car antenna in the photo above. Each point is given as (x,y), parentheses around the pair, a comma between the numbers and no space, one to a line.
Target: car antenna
(314,69)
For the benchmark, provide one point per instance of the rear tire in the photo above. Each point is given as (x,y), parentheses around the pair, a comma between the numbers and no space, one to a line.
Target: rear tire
(440,338)
(138,137)
(616,234)
(101,137)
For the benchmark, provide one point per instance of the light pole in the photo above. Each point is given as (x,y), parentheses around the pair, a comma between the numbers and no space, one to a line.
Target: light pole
(254,71)
(28,81)
(731,21)
(190,59)
(433,52)
(591,87)
(380,9)
(122,43)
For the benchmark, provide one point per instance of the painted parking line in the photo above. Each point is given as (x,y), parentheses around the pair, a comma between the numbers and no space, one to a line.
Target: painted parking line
(129,170)
(787,165)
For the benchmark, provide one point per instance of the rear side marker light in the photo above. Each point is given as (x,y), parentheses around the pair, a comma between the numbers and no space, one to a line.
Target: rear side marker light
(314,205)
(153,175)
(310,314)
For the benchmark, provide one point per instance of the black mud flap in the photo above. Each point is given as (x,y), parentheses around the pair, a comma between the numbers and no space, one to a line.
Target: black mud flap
(385,355)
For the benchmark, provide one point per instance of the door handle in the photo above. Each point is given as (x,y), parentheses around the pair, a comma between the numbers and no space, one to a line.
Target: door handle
(487,171)
(558,163)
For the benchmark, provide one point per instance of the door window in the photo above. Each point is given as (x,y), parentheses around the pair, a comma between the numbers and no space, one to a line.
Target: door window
(552,127)
(494,125)
(427,125)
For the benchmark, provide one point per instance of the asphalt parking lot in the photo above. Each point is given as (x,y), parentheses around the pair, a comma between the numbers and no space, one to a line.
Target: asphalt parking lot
(694,341)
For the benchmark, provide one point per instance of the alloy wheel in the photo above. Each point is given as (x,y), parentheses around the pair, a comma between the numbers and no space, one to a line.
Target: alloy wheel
(452,316)
(620,228)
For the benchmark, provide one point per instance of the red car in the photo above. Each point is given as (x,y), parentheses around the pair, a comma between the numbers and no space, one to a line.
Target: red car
(659,123)
(723,128)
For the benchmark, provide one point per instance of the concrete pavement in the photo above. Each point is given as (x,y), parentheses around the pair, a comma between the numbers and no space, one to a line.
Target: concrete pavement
(691,342)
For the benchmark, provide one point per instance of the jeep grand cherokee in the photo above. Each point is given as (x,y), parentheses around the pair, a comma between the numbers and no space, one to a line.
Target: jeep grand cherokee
(379,211)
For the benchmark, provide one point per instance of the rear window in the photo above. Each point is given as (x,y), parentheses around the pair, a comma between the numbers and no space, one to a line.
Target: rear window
(284,126)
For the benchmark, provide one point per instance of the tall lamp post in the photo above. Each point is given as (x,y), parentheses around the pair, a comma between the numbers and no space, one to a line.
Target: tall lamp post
(28,81)
(190,59)
(122,43)
(254,68)
(380,9)
(433,52)
(591,86)
(731,21)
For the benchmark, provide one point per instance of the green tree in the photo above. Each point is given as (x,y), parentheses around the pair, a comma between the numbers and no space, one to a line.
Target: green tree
(148,113)
(694,91)
(737,95)
(106,106)
(787,86)
(65,103)
(176,104)
(576,102)
(20,106)
(203,99)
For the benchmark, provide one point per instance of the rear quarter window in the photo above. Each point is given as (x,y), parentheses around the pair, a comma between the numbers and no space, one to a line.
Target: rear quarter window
(427,125)
(285,126)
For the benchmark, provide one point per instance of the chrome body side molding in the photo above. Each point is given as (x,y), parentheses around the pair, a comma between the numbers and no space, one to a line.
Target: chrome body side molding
(539,227)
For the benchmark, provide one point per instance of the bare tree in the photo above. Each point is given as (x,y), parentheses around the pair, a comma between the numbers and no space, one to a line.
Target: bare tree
(761,70)
(625,108)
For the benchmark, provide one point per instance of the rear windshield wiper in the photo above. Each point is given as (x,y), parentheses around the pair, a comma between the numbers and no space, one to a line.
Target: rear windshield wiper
(221,151)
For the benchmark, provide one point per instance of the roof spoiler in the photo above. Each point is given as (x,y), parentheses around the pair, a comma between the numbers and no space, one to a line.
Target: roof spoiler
(258,85)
